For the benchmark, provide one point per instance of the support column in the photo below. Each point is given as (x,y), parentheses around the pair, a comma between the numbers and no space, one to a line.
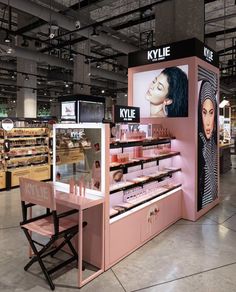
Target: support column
(82,72)
(178,20)
(26,97)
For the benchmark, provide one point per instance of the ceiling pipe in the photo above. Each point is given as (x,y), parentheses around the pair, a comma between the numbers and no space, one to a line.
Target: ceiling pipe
(46,14)
(121,79)
(35,56)
(53,61)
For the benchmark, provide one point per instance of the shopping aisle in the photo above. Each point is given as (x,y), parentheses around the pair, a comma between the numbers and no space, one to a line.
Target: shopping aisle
(188,256)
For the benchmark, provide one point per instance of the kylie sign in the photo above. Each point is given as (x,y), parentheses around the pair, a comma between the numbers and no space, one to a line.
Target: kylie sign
(126,114)
(208,54)
(158,54)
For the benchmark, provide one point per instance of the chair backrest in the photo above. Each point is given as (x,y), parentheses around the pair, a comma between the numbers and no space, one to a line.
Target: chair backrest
(36,192)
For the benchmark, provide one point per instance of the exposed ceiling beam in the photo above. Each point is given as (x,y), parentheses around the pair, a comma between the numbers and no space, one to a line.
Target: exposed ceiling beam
(68,24)
(226,50)
(219,18)
(220,32)
(31,26)
(133,22)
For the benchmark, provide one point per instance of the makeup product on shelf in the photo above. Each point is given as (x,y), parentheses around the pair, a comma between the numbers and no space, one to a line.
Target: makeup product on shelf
(72,186)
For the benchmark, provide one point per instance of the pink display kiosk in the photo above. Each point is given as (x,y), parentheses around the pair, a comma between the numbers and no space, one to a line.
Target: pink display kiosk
(161,164)
(190,195)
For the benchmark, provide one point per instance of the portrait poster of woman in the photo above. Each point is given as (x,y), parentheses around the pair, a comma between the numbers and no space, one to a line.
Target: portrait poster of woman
(162,92)
(207,138)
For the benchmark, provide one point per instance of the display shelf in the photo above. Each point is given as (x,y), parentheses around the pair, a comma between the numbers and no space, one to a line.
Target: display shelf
(146,142)
(130,184)
(2,179)
(26,137)
(116,165)
(126,206)
(37,172)
(11,156)
(28,145)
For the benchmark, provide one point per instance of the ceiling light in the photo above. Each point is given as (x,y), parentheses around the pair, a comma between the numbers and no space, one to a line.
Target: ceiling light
(81,87)
(9,50)
(98,65)
(224,71)
(45,93)
(51,35)
(71,57)
(103,91)
(66,85)
(7,38)
(26,77)
(125,94)
(224,103)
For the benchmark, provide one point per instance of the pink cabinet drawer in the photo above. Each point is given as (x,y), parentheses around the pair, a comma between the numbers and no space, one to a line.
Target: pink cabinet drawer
(172,208)
(124,236)
(152,220)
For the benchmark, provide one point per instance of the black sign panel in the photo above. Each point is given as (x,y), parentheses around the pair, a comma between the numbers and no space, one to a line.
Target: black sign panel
(126,114)
(6,145)
(178,50)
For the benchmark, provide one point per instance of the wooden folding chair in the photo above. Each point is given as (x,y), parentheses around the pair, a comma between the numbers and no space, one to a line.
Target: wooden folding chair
(51,225)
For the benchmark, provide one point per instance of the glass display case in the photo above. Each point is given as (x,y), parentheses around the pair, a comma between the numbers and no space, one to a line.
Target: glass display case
(78,155)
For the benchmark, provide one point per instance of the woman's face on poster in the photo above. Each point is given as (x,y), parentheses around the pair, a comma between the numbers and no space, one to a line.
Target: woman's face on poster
(158,90)
(208,116)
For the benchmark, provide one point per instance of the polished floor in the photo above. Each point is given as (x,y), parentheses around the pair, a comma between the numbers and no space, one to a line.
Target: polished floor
(187,257)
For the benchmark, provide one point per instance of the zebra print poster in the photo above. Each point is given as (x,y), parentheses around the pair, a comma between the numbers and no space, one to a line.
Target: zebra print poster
(207,138)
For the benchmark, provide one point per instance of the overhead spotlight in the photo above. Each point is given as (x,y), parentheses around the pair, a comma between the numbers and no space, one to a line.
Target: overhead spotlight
(9,51)
(66,85)
(25,43)
(45,93)
(51,35)
(13,76)
(26,77)
(94,33)
(125,94)
(102,91)
(71,57)
(7,38)
(98,65)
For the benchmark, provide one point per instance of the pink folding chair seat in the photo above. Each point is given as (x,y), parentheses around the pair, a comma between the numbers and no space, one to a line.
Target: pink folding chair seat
(45,226)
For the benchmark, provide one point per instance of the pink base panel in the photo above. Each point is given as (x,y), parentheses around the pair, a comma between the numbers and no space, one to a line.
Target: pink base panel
(130,232)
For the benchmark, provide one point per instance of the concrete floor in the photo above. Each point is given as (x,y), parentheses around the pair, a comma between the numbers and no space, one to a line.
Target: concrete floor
(189,256)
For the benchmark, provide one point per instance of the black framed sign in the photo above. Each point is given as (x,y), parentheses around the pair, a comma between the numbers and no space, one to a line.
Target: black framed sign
(126,114)
(182,49)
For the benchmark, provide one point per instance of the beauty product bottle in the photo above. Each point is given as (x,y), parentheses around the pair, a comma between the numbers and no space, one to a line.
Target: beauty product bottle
(72,186)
